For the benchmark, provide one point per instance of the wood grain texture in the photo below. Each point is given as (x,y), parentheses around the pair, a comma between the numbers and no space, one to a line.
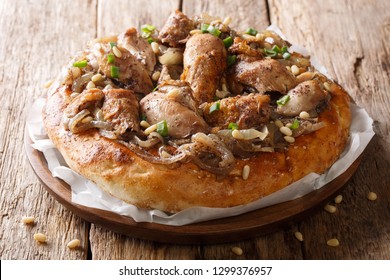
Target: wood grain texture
(349,37)
(31,33)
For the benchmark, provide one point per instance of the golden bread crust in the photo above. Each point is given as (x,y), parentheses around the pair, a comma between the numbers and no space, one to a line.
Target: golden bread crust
(120,172)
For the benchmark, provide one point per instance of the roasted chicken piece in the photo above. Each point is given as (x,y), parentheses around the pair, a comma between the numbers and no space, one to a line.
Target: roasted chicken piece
(304,97)
(266,75)
(126,68)
(204,63)
(246,111)
(181,120)
(241,46)
(120,108)
(176,30)
(139,47)
(88,98)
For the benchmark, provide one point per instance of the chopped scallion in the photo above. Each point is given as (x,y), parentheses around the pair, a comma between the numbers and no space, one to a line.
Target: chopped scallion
(295,124)
(284,49)
(150,40)
(110,58)
(286,55)
(231,59)
(283,101)
(251,31)
(114,72)
(214,31)
(233,126)
(147,30)
(204,27)
(228,42)
(276,49)
(80,63)
(162,128)
(270,53)
(215,107)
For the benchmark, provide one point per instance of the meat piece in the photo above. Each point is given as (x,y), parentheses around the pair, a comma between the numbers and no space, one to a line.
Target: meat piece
(304,97)
(246,111)
(181,120)
(120,108)
(170,72)
(241,46)
(181,92)
(88,98)
(130,71)
(204,63)
(138,47)
(264,75)
(176,30)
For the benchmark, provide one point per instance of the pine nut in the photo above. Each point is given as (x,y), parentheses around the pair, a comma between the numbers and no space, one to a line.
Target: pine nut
(156,76)
(298,235)
(259,37)
(237,250)
(96,78)
(40,237)
(327,86)
(289,139)
(285,130)
(117,52)
(73,244)
(333,242)
(227,20)
(330,208)
(172,94)
(195,31)
(76,72)
(150,129)
(338,199)
(91,85)
(144,124)
(155,47)
(245,172)
(28,220)
(304,115)
(294,70)
(372,196)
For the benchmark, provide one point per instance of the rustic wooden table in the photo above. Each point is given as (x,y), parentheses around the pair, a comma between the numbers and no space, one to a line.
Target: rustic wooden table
(351,38)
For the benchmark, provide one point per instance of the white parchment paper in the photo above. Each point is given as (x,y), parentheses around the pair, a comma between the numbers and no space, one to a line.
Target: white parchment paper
(86,193)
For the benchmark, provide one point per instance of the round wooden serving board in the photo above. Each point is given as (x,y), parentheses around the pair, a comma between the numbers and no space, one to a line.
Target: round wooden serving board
(229,229)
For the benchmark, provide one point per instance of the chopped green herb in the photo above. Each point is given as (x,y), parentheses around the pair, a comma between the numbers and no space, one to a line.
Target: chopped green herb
(80,63)
(162,128)
(286,55)
(110,58)
(150,40)
(214,31)
(231,59)
(112,44)
(270,53)
(233,126)
(204,27)
(283,101)
(215,107)
(276,49)
(147,30)
(284,49)
(251,31)
(295,124)
(114,71)
(228,42)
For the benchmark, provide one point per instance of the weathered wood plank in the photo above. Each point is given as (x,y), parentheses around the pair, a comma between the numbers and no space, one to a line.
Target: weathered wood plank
(351,39)
(37,39)
(244,13)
